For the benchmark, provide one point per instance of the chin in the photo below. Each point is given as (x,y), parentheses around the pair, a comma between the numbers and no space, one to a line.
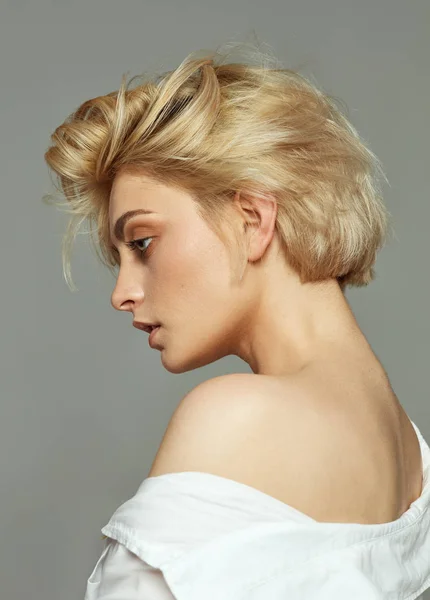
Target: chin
(184,365)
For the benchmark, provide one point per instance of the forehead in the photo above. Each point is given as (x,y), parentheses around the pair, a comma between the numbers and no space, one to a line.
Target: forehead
(132,192)
(130,187)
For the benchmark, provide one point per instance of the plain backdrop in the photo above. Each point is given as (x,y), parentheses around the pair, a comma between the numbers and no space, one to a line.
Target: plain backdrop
(84,399)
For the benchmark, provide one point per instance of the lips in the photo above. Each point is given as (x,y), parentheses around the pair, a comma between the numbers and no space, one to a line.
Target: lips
(151,336)
(145,326)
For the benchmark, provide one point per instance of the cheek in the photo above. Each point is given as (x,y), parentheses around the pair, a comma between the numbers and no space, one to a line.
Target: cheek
(205,262)
(194,270)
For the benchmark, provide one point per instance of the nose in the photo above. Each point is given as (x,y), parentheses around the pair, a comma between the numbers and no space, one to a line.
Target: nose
(127,294)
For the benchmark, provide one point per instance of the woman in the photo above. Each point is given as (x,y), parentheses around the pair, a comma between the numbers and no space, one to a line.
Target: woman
(238,203)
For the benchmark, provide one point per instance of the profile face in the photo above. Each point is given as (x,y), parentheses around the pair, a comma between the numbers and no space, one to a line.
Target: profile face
(182,277)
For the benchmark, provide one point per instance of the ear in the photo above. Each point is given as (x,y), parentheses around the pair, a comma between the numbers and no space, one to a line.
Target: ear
(259,212)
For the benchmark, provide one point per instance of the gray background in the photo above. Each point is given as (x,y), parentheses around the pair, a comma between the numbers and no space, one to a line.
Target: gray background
(84,399)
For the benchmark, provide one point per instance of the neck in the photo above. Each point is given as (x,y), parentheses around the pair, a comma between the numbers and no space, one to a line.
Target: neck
(287,329)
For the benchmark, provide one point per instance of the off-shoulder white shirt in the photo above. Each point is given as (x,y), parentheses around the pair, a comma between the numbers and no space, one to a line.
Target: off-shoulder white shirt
(198,536)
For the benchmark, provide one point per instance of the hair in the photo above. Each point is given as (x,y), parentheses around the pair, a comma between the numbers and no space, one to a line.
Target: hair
(213,128)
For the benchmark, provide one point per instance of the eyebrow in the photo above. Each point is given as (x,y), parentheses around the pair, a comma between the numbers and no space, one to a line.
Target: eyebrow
(124,218)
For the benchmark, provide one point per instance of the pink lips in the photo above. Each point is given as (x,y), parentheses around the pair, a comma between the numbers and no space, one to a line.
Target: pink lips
(151,336)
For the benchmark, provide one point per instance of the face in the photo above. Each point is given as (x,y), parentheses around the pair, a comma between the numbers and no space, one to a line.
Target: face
(179,276)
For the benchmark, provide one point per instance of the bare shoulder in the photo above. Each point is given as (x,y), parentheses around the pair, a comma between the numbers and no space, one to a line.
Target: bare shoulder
(212,424)
(300,440)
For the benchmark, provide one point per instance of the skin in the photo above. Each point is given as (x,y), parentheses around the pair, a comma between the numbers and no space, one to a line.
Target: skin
(270,319)
(303,338)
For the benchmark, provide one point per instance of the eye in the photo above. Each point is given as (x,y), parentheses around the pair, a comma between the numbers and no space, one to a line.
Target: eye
(135,248)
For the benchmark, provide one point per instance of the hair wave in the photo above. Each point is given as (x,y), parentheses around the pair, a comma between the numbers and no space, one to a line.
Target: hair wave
(212,127)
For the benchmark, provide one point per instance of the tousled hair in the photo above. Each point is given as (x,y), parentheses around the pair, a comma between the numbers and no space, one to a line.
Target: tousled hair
(211,128)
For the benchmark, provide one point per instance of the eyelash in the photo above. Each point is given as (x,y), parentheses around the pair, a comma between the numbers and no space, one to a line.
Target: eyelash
(134,248)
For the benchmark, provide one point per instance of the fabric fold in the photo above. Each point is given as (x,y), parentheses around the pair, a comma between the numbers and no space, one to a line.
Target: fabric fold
(214,538)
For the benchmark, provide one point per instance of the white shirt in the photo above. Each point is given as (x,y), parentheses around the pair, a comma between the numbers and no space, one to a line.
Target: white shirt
(198,536)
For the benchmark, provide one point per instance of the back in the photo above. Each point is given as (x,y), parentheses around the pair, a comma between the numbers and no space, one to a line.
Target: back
(335,443)
(192,535)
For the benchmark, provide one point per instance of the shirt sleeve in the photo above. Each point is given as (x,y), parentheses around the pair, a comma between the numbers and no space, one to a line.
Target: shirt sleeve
(121,575)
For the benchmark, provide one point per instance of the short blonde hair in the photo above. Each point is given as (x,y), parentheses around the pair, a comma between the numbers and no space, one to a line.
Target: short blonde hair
(212,128)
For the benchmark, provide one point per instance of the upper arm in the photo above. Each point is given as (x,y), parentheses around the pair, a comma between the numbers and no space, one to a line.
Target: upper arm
(210,426)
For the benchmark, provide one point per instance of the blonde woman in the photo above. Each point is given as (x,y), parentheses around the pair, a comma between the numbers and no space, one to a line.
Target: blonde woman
(235,202)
